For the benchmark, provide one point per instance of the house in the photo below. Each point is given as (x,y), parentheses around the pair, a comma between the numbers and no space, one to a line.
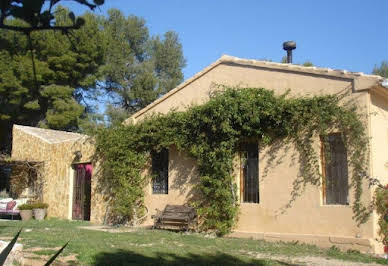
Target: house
(66,169)
(321,215)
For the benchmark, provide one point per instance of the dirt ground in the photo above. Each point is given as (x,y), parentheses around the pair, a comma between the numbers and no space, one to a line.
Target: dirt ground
(309,261)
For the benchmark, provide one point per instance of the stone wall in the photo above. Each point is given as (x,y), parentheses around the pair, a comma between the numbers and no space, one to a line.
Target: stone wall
(58,160)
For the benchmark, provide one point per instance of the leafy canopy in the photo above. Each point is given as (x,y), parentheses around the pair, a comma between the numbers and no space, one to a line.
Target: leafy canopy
(39,15)
(140,68)
(65,66)
(212,133)
(75,71)
(381,195)
(381,70)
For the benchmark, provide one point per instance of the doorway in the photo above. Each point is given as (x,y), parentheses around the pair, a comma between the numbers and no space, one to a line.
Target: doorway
(82,191)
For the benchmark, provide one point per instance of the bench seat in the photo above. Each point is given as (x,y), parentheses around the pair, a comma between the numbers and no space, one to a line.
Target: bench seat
(175,216)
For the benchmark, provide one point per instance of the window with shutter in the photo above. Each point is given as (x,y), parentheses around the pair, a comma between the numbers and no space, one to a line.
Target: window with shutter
(335,171)
(160,172)
(250,173)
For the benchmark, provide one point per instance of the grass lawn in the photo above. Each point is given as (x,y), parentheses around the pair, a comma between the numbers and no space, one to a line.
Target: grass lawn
(156,247)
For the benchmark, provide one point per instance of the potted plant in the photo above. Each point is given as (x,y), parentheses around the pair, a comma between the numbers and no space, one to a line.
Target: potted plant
(25,211)
(39,210)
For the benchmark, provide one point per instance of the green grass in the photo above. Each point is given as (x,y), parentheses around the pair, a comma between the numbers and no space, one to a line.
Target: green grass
(156,247)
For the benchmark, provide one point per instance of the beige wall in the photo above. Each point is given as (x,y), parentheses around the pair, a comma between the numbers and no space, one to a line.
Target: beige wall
(379,146)
(379,134)
(307,217)
(248,76)
(182,176)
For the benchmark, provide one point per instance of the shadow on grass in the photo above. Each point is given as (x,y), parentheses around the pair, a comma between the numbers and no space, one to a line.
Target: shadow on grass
(124,257)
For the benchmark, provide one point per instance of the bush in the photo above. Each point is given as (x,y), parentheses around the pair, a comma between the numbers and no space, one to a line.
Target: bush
(39,205)
(382,209)
(25,206)
(212,134)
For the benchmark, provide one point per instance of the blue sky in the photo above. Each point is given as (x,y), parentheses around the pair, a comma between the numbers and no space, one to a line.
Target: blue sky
(345,34)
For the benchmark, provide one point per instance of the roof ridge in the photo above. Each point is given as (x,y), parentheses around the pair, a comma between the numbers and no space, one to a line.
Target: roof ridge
(228,58)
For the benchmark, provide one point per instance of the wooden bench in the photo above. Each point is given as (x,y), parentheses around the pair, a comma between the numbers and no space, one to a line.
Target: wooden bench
(180,216)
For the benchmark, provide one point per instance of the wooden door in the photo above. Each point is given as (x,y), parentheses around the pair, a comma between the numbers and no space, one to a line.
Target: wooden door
(82,192)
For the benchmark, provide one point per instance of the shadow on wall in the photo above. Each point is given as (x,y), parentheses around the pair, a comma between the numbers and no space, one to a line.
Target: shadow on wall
(183,168)
(123,257)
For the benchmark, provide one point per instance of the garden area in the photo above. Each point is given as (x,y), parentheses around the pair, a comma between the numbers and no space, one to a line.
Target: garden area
(126,246)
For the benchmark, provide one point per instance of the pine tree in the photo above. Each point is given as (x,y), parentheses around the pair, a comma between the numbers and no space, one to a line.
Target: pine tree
(65,68)
(381,70)
(47,79)
(140,68)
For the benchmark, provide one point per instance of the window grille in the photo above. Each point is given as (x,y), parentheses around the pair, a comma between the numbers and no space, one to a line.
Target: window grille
(160,172)
(335,171)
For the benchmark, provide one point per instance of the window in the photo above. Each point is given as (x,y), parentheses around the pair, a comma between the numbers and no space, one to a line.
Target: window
(335,171)
(160,172)
(250,175)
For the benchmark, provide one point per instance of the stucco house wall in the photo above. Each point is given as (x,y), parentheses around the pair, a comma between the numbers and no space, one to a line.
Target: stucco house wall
(379,144)
(181,180)
(308,219)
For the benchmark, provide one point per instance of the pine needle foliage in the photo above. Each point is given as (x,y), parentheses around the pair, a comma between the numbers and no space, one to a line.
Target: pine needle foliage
(212,133)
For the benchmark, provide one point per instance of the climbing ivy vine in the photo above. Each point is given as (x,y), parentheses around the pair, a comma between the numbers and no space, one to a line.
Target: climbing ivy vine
(212,133)
(382,209)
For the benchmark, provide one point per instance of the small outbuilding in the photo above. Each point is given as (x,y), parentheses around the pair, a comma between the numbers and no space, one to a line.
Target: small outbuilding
(67,171)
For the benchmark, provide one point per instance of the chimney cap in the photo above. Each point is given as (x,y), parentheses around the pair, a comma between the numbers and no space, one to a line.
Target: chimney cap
(289,45)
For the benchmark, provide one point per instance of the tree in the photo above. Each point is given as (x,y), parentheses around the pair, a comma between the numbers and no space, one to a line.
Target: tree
(47,77)
(140,68)
(39,15)
(381,70)
(66,67)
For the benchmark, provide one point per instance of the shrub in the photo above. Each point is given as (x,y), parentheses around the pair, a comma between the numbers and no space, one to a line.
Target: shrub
(25,206)
(212,133)
(39,205)
(382,210)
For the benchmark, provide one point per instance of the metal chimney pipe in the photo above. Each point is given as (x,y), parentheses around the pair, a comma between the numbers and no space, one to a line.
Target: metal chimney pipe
(289,46)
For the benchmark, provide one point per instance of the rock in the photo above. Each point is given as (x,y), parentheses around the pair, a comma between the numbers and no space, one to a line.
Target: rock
(16,254)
